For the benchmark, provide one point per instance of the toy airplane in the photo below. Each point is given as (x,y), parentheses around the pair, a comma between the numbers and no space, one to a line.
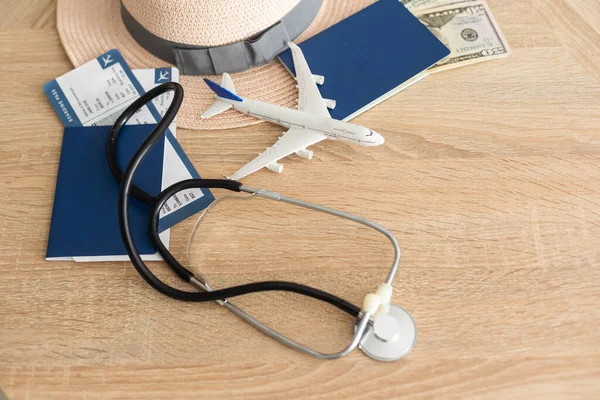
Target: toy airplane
(308,125)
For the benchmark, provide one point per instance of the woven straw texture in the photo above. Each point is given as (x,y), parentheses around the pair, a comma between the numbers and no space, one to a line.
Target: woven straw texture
(207,22)
(89,28)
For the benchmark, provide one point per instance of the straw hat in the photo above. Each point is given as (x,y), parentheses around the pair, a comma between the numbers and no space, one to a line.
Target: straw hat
(89,28)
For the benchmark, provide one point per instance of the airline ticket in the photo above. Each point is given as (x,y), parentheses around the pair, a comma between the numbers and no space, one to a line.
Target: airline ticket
(96,93)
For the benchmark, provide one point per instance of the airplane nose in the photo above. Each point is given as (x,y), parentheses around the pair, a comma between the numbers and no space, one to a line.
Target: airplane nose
(379,139)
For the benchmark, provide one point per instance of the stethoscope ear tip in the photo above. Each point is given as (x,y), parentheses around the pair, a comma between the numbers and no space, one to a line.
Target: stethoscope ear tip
(391,336)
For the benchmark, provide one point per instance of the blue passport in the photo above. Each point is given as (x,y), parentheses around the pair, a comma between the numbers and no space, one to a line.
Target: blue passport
(85,219)
(369,56)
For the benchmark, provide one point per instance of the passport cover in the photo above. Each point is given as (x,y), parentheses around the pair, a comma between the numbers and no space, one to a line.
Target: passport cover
(368,55)
(85,219)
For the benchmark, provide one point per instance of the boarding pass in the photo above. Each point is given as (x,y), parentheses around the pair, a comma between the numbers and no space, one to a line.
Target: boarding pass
(176,165)
(97,92)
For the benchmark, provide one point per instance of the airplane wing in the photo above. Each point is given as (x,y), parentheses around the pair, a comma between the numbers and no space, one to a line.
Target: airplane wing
(293,140)
(309,99)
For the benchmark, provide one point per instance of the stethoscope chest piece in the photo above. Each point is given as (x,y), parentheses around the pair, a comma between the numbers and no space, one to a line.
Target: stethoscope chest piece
(391,336)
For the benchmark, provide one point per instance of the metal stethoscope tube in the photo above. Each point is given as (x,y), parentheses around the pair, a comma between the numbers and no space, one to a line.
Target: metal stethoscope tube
(364,318)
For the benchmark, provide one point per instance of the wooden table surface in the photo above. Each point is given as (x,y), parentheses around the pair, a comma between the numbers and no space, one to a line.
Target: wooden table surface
(489,177)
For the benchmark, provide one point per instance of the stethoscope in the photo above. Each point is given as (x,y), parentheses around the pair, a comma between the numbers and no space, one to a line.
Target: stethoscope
(383,331)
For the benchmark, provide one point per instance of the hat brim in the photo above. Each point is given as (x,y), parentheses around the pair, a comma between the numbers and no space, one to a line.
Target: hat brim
(90,28)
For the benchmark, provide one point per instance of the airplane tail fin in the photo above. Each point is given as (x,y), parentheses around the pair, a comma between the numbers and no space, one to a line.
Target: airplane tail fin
(226,90)
(227,83)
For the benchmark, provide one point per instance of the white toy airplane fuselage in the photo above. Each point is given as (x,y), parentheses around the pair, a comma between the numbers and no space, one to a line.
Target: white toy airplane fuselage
(308,125)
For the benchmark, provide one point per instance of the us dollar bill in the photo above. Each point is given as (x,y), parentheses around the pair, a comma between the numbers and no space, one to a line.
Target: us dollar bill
(469,30)
(414,5)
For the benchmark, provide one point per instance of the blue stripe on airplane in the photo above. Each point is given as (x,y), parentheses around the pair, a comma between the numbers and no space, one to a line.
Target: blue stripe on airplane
(221,91)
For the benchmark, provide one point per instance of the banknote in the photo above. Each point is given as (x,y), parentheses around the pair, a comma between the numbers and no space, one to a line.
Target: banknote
(468,29)
(414,5)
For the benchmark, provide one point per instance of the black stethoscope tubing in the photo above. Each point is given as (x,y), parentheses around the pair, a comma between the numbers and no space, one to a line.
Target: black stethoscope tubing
(127,188)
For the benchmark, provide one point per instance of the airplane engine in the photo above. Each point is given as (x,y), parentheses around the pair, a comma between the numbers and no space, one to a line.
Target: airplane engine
(330,103)
(319,79)
(306,154)
(275,167)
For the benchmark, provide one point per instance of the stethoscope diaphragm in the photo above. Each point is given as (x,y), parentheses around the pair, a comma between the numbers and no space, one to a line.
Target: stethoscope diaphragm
(391,336)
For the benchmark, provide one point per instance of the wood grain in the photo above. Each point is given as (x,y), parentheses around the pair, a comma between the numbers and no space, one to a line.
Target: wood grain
(489,177)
